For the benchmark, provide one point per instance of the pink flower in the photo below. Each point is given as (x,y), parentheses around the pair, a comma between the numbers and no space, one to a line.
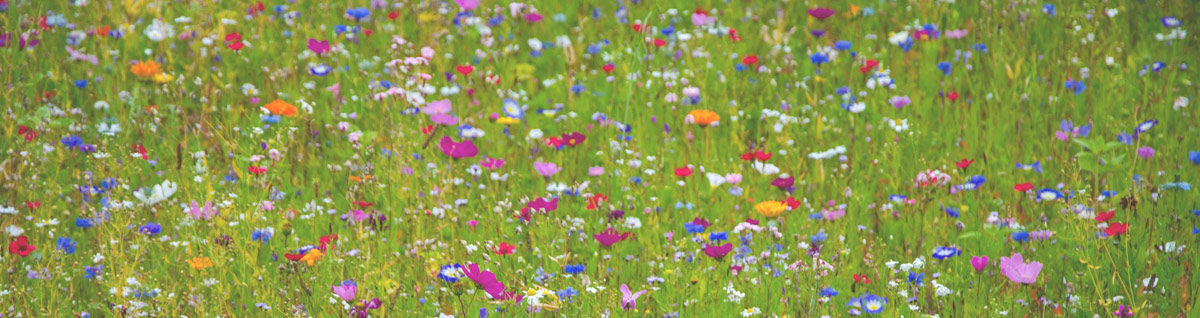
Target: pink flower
(610,237)
(492,163)
(718,251)
(458,150)
(317,46)
(821,13)
(595,171)
(1145,152)
(1018,271)
(702,18)
(347,290)
(467,5)
(546,169)
(979,262)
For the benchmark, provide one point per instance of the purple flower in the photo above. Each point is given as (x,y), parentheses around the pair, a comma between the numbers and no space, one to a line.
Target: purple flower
(1170,21)
(347,290)
(718,251)
(1145,152)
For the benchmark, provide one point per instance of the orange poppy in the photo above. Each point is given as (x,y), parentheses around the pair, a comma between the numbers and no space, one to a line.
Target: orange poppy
(145,70)
(702,117)
(281,108)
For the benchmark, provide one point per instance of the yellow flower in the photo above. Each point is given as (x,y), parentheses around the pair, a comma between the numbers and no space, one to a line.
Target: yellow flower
(507,120)
(200,263)
(702,117)
(146,69)
(163,78)
(312,256)
(770,209)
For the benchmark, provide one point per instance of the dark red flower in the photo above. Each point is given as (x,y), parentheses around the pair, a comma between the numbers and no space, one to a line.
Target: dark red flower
(393,15)
(608,68)
(33,204)
(328,240)
(363,204)
(791,203)
(574,139)
(718,251)
(293,257)
(952,96)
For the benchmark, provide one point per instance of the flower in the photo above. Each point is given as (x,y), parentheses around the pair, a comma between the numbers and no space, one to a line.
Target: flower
(312,256)
(629,299)
(770,208)
(1022,187)
(943,252)
(821,13)
(200,263)
(504,249)
(1145,152)
(610,237)
(546,169)
(280,107)
(1049,194)
(457,150)
(1036,166)
(67,245)
(702,117)
(869,303)
(574,269)
(1017,271)
(449,273)
(146,69)
(21,246)
(1194,157)
(347,290)
(1116,229)
(718,251)
(317,46)
(979,263)
(150,229)
(963,164)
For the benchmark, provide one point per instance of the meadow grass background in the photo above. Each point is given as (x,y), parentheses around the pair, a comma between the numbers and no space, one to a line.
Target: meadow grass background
(1011,101)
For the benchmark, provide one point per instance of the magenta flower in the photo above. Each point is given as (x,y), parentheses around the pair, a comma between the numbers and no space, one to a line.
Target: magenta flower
(718,251)
(1018,271)
(347,290)
(437,107)
(979,263)
(487,280)
(821,13)
(541,205)
(1145,152)
(467,5)
(319,47)
(610,237)
(458,150)
(546,169)
(492,163)
(784,183)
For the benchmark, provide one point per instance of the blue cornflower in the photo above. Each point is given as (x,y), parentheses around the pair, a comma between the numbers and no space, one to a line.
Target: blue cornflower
(81,83)
(358,13)
(828,292)
(898,198)
(1048,9)
(1020,236)
(320,70)
(66,244)
(973,183)
(1194,157)
(1157,66)
(578,89)
(667,31)
(916,279)
(574,269)
(72,142)
(593,49)
(818,58)
(842,45)
(906,45)
(91,272)
(83,223)
(262,235)
(952,212)
(1144,127)
(945,67)
(1075,86)
(567,293)
(943,252)
(150,229)
(271,119)
(1125,138)
(740,67)
(1170,21)
(718,236)
(693,228)
(819,237)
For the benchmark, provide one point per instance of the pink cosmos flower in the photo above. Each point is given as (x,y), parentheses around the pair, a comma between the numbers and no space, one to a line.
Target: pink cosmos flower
(1018,271)
(546,169)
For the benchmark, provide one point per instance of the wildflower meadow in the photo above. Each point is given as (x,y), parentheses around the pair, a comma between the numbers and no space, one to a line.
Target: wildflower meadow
(599,158)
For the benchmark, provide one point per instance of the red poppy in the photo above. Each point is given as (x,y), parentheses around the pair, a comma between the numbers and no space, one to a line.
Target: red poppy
(963,164)
(870,65)
(952,96)
(683,172)
(733,35)
(233,37)
(293,257)
(363,204)
(328,240)
(862,279)
(393,15)
(756,155)
(1116,229)
(255,9)
(505,249)
(750,60)
(637,27)
(1105,216)
(21,246)
(660,42)
(464,69)
(257,170)
(29,133)
(608,68)
(427,129)
(1022,187)
(33,204)
(236,46)
(791,203)
(141,150)
(595,201)
(368,32)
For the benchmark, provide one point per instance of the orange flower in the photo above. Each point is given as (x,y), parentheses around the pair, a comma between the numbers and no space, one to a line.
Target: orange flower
(281,108)
(146,70)
(200,263)
(702,117)
(770,209)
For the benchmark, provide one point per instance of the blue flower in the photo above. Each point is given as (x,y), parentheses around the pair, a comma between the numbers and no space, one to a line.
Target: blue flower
(358,13)
(568,294)
(91,272)
(83,223)
(578,89)
(81,83)
(1144,127)
(1170,22)
(740,67)
(574,269)
(898,198)
(271,119)
(818,58)
(718,236)
(828,292)
(320,70)
(869,303)
(952,212)
(72,142)
(667,31)
(907,44)
(513,109)
(819,237)
(693,228)
(916,279)
(1125,138)
(945,67)
(1048,9)
(1020,236)
(1075,86)
(1035,166)
(67,245)
(261,235)
(1049,194)
(150,229)
(943,252)
(450,272)
(842,45)
(1157,66)
(1194,156)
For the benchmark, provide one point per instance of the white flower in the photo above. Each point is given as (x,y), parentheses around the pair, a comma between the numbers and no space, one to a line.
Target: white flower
(899,125)
(160,192)
(1111,12)
(14,231)
(159,30)
(1181,102)
(7,210)
(633,222)
(765,168)
(751,312)
(535,134)
(833,152)
(100,105)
